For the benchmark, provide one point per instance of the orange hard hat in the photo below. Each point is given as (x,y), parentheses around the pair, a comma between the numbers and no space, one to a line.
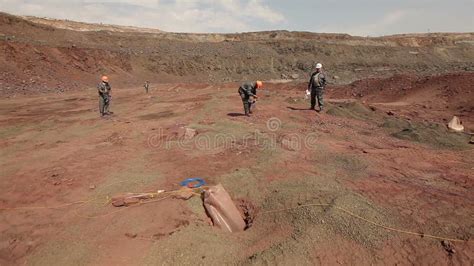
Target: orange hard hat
(105,79)
(259,84)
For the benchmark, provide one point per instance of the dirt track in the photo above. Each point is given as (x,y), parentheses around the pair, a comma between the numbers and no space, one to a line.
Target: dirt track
(403,170)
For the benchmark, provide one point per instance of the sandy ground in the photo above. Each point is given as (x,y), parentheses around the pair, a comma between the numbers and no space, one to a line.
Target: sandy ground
(397,170)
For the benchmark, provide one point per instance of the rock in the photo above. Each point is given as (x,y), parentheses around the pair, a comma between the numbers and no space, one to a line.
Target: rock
(92,187)
(131,201)
(448,247)
(336,77)
(472,140)
(284,76)
(118,203)
(131,235)
(295,76)
(184,194)
(390,113)
(455,125)
(189,133)
(124,200)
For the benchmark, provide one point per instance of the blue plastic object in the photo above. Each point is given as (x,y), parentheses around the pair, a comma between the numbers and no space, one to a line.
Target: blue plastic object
(190,182)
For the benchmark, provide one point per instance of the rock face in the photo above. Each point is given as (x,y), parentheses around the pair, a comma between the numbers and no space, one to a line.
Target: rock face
(455,125)
(133,56)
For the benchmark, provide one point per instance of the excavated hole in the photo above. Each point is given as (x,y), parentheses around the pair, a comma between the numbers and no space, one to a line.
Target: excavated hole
(248,211)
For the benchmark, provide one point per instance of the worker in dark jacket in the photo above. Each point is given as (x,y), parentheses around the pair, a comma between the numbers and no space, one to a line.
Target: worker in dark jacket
(316,85)
(104,96)
(248,93)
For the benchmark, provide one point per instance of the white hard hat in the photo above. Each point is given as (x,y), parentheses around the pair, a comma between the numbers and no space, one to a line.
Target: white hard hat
(319,65)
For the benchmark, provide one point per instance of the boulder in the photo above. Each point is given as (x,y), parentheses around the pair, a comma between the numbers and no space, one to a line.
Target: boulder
(455,125)
(186,133)
(190,133)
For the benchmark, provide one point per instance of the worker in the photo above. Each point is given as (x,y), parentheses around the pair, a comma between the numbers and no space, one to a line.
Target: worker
(147,86)
(104,96)
(316,85)
(248,93)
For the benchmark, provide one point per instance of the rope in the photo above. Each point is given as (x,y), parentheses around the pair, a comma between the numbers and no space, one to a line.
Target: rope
(91,199)
(82,202)
(45,207)
(193,191)
(388,228)
(120,210)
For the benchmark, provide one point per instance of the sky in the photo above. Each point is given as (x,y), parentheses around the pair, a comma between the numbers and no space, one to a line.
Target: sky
(355,17)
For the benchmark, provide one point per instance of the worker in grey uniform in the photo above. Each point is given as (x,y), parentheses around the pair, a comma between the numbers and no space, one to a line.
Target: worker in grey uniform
(248,94)
(104,96)
(316,86)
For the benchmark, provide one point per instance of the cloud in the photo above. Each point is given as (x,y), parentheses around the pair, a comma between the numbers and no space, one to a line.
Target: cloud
(377,27)
(366,17)
(261,11)
(168,15)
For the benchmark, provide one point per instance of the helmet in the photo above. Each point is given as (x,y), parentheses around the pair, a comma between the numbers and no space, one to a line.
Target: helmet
(259,84)
(105,79)
(319,66)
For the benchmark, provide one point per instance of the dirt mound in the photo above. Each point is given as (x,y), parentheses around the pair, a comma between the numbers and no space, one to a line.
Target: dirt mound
(403,87)
(354,110)
(435,135)
(437,97)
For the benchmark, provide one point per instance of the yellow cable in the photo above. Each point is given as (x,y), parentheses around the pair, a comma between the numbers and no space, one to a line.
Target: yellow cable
(120,210)
(369,221)
(153,195)
(45,207)
(169,193)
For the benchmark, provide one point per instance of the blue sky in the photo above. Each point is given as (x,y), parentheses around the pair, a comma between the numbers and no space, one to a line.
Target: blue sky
(356,17)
